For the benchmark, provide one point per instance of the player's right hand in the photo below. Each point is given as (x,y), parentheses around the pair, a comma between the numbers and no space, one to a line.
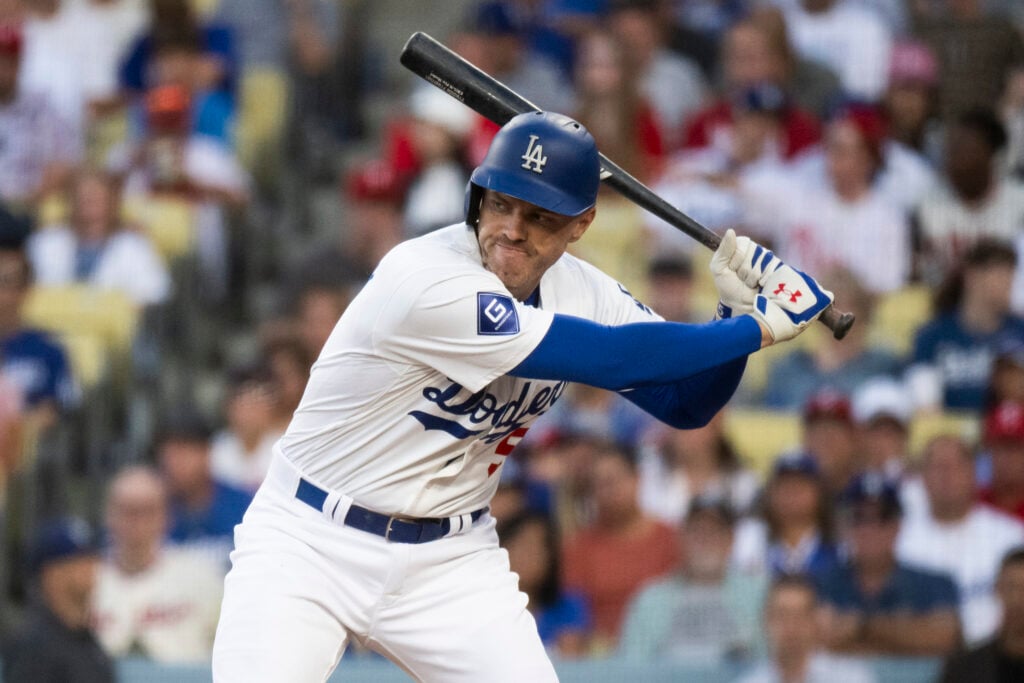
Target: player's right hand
(735,297)
(789,301)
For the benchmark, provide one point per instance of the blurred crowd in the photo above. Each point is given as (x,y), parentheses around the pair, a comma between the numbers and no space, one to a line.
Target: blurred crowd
(168,274)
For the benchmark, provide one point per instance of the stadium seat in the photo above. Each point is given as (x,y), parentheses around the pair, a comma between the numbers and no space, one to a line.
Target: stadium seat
(897,317)
(168,222)
(88,356)
(107,315)
(262,112)
(761,435)
(926,426)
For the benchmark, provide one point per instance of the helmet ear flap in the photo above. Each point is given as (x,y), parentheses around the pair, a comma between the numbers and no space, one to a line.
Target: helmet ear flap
(474,195)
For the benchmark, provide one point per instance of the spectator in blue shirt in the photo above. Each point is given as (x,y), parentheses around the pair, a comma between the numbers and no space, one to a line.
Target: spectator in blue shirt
(874,604)
(33,360)
(203,512)
(954,353)
(563,619)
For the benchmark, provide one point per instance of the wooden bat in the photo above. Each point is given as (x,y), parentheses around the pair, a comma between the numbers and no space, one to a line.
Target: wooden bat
(493,100)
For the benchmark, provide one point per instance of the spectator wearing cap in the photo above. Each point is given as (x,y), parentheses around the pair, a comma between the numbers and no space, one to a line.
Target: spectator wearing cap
(1004,438)
(94,247)
(1001,658)
(756,51)
(56,643)
(911,100)
(851,40)
(845,219)
(795,643)
(976,49)
(241,452)
(710,182)
(203,512)
(830,438)
(152,599)
(678,466)
(31,359)
(956,535)
(563,618)
(671,83)
(439,128)
(976,203)
(951,364)
(793,532)
(876,604)
(832,364)
(706,611)
(38,148)
(608,561)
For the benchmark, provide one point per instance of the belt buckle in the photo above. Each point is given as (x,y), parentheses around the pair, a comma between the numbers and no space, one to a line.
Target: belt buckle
(389,529)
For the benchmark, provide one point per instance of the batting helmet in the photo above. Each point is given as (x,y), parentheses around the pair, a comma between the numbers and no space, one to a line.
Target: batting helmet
(543,158)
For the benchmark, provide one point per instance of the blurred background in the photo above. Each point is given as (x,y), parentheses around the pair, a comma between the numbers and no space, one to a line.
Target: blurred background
(191,192)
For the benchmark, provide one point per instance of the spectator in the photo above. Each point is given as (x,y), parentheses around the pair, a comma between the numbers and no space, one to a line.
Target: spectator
(240,454)
(1011,112)
(563,620)
(196,170)
(289,365)
(670,285)
(597,413)
(11,422)
(688,464)
(755,53)
(1007,382)
(38,148)
(832,364)
(319,309)
(852,41)
(671,83)
(876,605)
(202,511)
(794,639)
(56,643)
(30,358)
(608,561)
(157,601)
(706,611)
(846,221)
(374,196)
(94,247)
(793,533)
(707,183)
(611,107)
(911,100)
(829,438)
(1000,659)
(960,537)
(977,203)
(1004,436)
(976,50)
(439,127)
(953,353)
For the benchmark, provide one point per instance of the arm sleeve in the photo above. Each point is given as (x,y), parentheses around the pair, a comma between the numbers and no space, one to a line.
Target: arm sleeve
(681,374)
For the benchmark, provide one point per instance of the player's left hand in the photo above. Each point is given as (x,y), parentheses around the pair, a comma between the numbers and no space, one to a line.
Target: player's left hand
(752,262)
(735,297)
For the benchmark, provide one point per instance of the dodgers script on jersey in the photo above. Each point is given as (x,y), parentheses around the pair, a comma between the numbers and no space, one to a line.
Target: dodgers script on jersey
(409,409)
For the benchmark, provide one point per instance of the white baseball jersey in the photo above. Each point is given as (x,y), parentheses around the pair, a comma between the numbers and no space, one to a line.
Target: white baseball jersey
(408,409)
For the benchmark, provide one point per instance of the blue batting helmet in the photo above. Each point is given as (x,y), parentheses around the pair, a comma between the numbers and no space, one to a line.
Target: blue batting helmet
(543,158)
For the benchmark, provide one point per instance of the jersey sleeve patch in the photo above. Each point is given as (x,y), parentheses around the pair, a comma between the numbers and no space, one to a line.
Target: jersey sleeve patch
(496,314)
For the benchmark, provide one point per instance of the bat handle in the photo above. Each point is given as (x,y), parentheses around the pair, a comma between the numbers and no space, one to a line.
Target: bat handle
(837,321)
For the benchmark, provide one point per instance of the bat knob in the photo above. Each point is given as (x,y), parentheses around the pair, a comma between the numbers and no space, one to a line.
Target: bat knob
(842,325)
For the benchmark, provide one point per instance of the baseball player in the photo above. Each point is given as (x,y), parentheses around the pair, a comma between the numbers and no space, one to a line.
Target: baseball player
(372,524)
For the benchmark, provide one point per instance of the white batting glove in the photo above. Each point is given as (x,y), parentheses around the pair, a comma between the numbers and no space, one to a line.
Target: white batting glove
(789,301)
(735,297)
(752,262)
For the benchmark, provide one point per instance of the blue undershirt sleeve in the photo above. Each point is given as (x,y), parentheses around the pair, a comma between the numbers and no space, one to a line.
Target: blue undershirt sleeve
(682,374)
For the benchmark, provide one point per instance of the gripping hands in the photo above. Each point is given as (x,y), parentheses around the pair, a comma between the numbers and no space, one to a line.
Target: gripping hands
(752,280)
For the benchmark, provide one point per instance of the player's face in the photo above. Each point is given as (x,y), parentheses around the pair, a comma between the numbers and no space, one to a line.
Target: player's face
(520,241)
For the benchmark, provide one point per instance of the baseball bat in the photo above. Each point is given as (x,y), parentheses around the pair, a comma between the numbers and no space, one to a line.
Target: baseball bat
(493,100)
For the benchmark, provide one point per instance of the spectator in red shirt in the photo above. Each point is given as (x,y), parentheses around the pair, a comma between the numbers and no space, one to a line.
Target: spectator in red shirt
(609,560)
(1004,436)
(752,55)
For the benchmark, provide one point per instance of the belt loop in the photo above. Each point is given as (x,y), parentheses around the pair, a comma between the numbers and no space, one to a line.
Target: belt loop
(336,506)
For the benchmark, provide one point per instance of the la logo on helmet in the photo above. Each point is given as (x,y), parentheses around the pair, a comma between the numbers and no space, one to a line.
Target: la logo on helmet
(534,158)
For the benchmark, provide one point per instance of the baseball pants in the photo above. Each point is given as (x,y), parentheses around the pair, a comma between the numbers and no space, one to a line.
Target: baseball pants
(302,586)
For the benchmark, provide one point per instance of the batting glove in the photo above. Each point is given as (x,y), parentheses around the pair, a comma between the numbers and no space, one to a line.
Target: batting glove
(752,262)
(789,301)
(734,296)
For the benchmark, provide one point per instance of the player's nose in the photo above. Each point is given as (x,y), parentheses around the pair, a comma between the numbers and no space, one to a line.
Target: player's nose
(516,226)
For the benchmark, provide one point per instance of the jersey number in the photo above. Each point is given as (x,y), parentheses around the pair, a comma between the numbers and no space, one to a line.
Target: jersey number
(505,447)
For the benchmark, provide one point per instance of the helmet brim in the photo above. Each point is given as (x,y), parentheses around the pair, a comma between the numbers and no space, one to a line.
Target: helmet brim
(520,185)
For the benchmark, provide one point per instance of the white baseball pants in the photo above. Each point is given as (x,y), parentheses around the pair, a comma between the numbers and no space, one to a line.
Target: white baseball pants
(302,585)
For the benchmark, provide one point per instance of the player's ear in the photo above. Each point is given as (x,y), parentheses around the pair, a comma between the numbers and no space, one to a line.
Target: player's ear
(581,223)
